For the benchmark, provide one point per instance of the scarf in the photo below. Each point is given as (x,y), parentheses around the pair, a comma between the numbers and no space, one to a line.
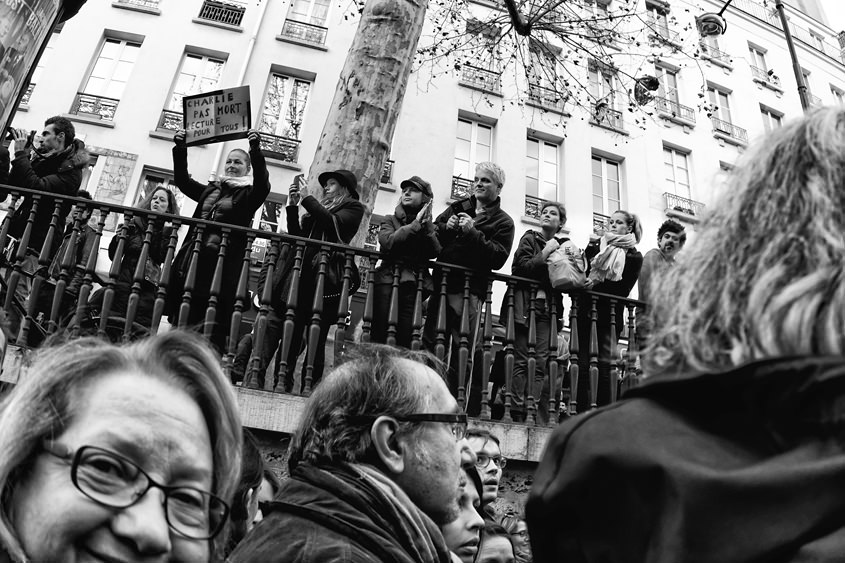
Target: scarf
(232,182)
(609,263)
(421,528)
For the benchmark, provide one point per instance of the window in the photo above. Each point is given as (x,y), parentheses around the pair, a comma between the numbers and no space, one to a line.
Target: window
(197,74)
(838,95)
(107,80)
(152,179)
(720,101)
(758,58)
(282,113)
(272,213)
(607,186)
(309,11)
(771,118)
(481,71)
(545,88)
(676,167)
(668,84)
(658,23)
(541,168)
(36,74)
(474,144)
(816,40)
(805,75)
(603,90)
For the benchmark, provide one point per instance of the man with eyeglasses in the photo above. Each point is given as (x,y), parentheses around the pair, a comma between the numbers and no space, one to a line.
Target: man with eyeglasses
(489,461)
(374,467)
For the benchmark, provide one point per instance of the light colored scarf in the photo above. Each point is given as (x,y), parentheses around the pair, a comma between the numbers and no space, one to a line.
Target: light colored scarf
(233,181)
(610,262)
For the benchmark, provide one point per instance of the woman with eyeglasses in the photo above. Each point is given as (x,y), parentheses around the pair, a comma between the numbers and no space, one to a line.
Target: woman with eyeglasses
(118,453)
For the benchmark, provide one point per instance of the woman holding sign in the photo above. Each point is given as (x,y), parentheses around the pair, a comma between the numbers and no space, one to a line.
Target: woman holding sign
(232,199)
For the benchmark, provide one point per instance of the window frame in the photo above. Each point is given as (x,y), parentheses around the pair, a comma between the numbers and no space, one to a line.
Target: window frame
(473,146)
(605,179)
(676,154)
(545,171)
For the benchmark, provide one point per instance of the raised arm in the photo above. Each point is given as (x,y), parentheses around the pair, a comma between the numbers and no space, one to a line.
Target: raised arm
(190,187)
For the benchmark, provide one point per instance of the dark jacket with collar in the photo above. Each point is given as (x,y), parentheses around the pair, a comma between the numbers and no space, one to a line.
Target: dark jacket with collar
(744,465)
(83,246)
(406,241)
(317,224)
(484,248)
(331,514)
(59,173)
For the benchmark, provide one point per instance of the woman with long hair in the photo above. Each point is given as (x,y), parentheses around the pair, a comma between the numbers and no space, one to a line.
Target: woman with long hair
(613,267)
(232,199)
(731,448)
(334,217)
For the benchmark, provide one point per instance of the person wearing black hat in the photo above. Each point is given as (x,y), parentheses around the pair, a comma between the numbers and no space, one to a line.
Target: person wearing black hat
(337,213)
(408,240)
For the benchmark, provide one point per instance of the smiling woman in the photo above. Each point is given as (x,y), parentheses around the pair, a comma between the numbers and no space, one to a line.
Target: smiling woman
(118,453)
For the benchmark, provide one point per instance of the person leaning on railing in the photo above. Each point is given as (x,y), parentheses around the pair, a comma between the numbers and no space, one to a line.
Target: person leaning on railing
(529,261)
(160,200)
(232,199)
(337,212)
(613,267)
(408,239)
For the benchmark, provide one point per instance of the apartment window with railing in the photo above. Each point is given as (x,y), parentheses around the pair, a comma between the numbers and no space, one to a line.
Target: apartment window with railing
(281,115)
(816,40)
(771,119)
(657,20)
(473,144)
(104,86)
(481,71)
(607,185)
(668,100)
(541,168)
(760,71)
(814,100)
(39,69)
(676,168)
(711,51)
(197,73)
(721,116)
(545,88)
(603,88)
(838,95)
(306,21)
(228,12)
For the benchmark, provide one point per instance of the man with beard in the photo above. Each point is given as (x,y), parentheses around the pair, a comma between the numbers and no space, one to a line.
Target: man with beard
(374,467)
(671,238)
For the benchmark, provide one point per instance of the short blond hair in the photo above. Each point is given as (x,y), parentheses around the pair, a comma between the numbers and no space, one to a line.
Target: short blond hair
(494,170)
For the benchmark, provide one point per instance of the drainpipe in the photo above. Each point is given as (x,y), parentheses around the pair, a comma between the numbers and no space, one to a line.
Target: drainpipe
(218,156)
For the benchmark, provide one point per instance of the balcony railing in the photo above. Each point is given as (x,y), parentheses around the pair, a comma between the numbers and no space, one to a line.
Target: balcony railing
(600,220)
(481,78)
(677,110)
(663,34)
(682,204)
(765,76)
(387,172)
(170,120)
(714,54)
(35,319)
(814,100)
(461,187)
(604,115)
(222,12)
(306,32)
(27,94)
(729,129)
(96,106)
(282,148)
(546,97)
(533,206)
(142,3)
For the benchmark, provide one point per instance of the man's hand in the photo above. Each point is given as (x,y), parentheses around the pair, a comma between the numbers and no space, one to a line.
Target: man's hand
(466,222)
(453,222)
(179,137)
(254,138)
(19,138)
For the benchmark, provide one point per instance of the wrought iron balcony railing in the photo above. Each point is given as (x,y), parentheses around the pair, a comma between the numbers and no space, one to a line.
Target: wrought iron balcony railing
(533,205)
(222,12)
(282,148)
(141,3)
(131,310)
(461,187)
(481,78)
(28,94)
(765,76)
(600,220)
(714,54)
(662,33)
(387,172)
(729,129)
(675,109)
(606,116)
(547,97)
(95,106)
(306,32)
(684,205)
(170,120)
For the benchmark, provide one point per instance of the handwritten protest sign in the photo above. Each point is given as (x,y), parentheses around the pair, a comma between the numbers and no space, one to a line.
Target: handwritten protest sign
(217,116)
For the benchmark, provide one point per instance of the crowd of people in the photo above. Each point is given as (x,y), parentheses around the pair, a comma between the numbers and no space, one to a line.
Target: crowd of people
(729,451)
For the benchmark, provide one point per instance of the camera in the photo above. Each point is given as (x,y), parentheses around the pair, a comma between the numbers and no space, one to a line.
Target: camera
(463,206)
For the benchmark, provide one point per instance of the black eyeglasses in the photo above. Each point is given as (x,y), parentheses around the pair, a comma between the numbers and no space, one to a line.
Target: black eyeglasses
(483,460)
(112,480)
(457,420)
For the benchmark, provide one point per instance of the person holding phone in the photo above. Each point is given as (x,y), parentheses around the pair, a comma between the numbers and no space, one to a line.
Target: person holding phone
(408,240)
(476,233)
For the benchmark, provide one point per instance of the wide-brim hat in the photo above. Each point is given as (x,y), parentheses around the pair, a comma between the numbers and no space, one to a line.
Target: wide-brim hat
(419,183)
(345,178)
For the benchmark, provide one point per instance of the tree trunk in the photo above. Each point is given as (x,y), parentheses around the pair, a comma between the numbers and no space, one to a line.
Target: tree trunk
(359,127)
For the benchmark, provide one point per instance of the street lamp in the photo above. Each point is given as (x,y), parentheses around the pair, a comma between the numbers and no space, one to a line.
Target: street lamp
(711,24)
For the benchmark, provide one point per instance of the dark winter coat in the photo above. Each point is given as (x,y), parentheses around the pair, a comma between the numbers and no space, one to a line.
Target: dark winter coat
(745,465)
(134,244)
(332,514)
(528,262)
(407,241)
(484,248)
(59,173)
(318,224)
